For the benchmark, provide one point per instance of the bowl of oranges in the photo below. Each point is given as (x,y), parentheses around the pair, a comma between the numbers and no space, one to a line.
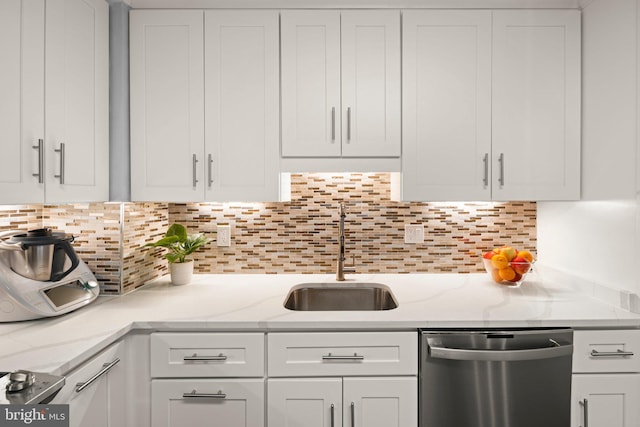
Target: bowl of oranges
(507,265)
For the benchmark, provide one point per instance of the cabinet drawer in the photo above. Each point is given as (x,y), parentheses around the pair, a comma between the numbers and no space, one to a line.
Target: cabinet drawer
(207,355)
(606,351)
(342,354)
(237,402)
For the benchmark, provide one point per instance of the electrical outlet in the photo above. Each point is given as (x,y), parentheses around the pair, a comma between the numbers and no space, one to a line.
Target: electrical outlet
(414,233)
(224,235)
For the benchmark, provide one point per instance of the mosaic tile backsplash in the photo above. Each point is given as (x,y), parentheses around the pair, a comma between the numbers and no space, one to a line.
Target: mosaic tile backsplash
(300,236)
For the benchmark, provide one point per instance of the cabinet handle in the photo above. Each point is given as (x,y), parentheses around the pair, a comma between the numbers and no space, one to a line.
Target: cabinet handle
(105,368)
(61,151)
(585,412)
(501,161)
(333,124)
(210,170)
(196,358)
(194,160)
(195,394)
(353,414)
(330,356)
(40,149)
(333,409)
(348,124)
(485,180)
(617,353)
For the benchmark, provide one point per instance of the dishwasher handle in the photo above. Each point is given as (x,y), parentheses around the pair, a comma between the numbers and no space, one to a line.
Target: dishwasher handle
(557,350)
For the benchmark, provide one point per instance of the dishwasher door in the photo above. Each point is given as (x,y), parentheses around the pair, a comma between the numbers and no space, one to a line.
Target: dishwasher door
(496,378)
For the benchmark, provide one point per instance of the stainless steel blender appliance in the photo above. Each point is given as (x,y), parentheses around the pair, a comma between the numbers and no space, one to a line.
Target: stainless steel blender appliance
(42,276)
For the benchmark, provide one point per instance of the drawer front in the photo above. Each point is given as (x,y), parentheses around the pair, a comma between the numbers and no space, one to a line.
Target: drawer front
(606,351)
(342,354)
(178,403)
(207,355)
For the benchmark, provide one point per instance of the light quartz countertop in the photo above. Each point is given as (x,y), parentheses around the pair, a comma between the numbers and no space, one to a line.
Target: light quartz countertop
(255,303)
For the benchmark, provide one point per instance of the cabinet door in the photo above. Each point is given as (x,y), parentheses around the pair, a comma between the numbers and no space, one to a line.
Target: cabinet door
(22,100)
(304,402)
(167,105)
(310,56)
(198,402)
(536,105)
(371,83)
(605,400)
(102,402)
(380,402)
(446,105)
(77,100)
(242,127)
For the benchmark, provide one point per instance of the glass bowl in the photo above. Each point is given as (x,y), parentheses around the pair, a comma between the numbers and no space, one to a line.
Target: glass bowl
(507,273)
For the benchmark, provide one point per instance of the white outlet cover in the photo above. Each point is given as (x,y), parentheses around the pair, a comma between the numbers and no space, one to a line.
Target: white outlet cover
(224,235)
(414,233)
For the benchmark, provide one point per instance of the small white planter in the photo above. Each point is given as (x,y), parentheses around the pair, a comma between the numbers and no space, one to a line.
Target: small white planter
(181,272)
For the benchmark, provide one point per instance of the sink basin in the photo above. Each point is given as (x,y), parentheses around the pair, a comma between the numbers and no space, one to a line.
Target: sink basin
(340,297)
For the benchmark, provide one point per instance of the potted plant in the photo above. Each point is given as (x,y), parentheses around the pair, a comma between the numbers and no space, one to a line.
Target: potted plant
(180,245)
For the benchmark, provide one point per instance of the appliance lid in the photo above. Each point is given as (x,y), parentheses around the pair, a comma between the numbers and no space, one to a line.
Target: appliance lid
(39,237)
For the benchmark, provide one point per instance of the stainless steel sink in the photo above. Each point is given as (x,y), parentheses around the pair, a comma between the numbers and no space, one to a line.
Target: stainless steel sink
(340,297)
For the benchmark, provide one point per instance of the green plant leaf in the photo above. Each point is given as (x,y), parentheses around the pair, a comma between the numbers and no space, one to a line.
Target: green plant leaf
(179,231)
(165,242)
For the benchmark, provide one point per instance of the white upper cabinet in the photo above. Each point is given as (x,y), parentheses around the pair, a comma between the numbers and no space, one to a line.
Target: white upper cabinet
(242,115)
(536,105)
(491,105)
(340,83)
(204,105)
(55,51)
(21,103)
(77,100)
(447,105)
(167,105)
(310,83)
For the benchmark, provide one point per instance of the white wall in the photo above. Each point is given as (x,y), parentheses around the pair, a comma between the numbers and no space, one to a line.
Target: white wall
(596,238)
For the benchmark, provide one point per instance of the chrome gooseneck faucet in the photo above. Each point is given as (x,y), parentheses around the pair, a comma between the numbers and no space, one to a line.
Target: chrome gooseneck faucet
(340,268)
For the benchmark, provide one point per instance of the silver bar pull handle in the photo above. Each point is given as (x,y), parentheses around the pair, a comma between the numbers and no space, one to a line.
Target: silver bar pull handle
(194,161)
(485,180)
(333,410)
(585,412)
(61,151)
(210,170)
(501,161)
(348,124)
(196,358)
(330,356)
(617,353)
(105,368)
(333,123)
(195,394)
(559,350)
(353,414)
(40,148)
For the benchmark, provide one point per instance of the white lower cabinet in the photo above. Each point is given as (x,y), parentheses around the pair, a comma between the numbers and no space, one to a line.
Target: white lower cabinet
(605,400)
(207,379)
(342,379)
(95,391)
(210,402)
(343,402)
(606,379)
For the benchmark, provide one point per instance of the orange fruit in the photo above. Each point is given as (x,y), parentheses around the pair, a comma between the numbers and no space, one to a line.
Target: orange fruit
(507,273)
(495,274)
(526,255)
(508,252)
(499,261)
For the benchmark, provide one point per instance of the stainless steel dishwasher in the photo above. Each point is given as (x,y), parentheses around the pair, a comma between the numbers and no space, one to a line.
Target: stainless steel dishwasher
(495,378)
